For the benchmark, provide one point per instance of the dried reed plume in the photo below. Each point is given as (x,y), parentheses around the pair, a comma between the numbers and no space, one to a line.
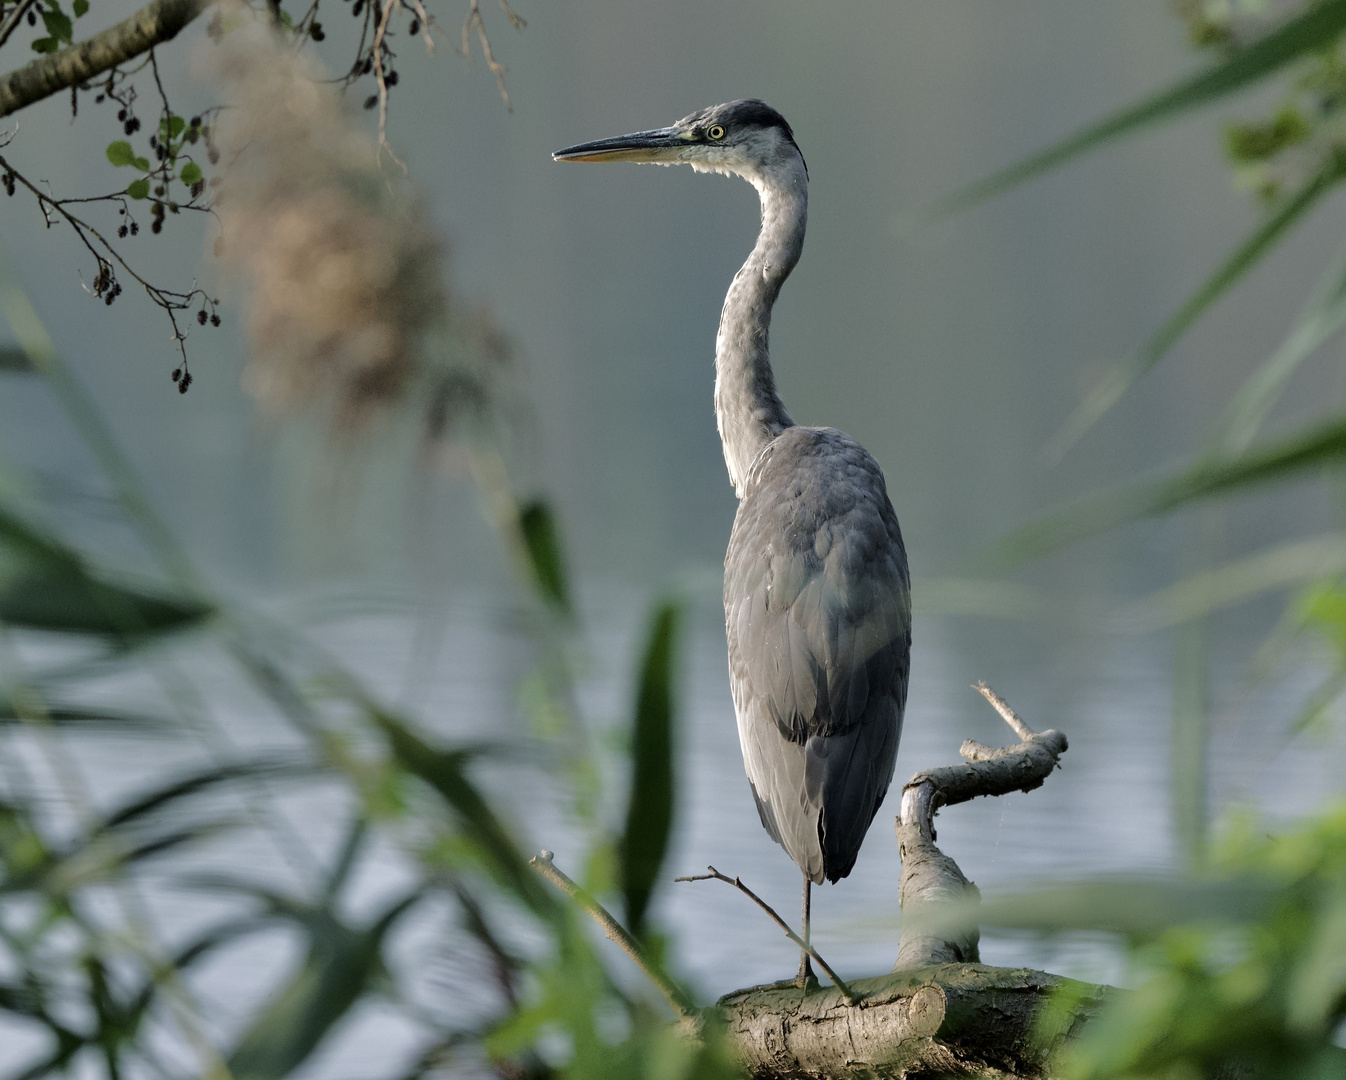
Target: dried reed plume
(341,267)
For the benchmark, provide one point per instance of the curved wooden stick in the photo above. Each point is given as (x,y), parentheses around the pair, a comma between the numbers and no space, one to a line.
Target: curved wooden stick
(715,875)
(682,1005)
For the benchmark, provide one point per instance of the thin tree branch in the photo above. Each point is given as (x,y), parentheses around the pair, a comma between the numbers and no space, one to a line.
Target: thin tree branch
(15,17)
(542,863)
(381,78)
(1007,714)
(156,22)
(473,23)
(715,875)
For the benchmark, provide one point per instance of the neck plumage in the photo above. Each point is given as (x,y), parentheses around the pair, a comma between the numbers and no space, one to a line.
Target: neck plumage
(748,411)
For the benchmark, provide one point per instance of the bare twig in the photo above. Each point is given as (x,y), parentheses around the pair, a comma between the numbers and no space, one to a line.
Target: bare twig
(715,875)
(988,771)
(156,22)
(169,300)
(1007,714)
(15,17)
(427,24)
(474,24)
(543,864)
(381,79)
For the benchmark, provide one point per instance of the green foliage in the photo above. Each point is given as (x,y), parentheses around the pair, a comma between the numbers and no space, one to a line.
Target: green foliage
(649,810)
(119,152)
(58,23)
(1262,988)
(1260,141)
(1304,453)
(44,585)
(1240,261)
(1299,149)
(1315,29)
(14,361)
(98,982)
(542,542)
(339,967)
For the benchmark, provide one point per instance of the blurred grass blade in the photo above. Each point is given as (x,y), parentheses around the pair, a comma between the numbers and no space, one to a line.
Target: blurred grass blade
(1189,741)
(1323,316)
(340,968)
(93,429)
(57,599)
(100,857)
(143,805)
(1283,566)
(1316,29)
(45,585)
(542,542)
(445,772)
(649,810)
(74,717)
(986,597)
(1135,906)
(15,361)
(1115,383)
(1308,450)
(345,860)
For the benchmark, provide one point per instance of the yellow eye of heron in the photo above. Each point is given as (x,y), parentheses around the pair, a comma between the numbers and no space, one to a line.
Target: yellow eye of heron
(716,132)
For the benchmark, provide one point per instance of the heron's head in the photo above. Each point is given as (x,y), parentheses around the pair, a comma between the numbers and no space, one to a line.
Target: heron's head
(742,138)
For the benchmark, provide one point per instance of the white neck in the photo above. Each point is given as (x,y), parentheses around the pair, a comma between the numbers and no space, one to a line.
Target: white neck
(748,410)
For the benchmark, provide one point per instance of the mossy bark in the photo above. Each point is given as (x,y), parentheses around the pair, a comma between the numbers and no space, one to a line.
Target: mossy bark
(946,1019)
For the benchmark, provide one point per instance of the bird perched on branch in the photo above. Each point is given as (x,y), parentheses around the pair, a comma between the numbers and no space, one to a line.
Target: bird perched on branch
(817,597)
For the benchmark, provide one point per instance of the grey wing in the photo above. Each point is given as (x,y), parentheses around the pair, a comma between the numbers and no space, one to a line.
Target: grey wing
(818,618)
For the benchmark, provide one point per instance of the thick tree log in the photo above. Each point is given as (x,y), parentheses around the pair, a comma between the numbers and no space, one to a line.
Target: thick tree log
(156,22)
(949,1019)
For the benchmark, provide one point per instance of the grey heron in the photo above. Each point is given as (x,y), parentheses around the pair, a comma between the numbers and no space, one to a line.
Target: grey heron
(817,596)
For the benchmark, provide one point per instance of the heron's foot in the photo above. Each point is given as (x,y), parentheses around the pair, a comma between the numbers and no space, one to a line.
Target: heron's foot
(792,983)
(805,977)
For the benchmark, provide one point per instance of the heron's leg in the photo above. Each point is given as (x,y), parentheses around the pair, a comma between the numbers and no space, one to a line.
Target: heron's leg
(805,967)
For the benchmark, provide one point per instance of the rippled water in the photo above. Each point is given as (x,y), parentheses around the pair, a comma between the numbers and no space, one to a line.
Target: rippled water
(1104,812)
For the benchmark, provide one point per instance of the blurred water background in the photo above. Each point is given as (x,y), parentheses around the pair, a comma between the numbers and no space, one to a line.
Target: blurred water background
(952,352)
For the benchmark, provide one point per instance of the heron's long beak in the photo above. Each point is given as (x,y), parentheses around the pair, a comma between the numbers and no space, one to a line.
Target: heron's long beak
(663,145)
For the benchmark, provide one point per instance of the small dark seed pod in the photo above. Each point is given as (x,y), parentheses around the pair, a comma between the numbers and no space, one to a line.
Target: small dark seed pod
(177,374)
(201,316)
